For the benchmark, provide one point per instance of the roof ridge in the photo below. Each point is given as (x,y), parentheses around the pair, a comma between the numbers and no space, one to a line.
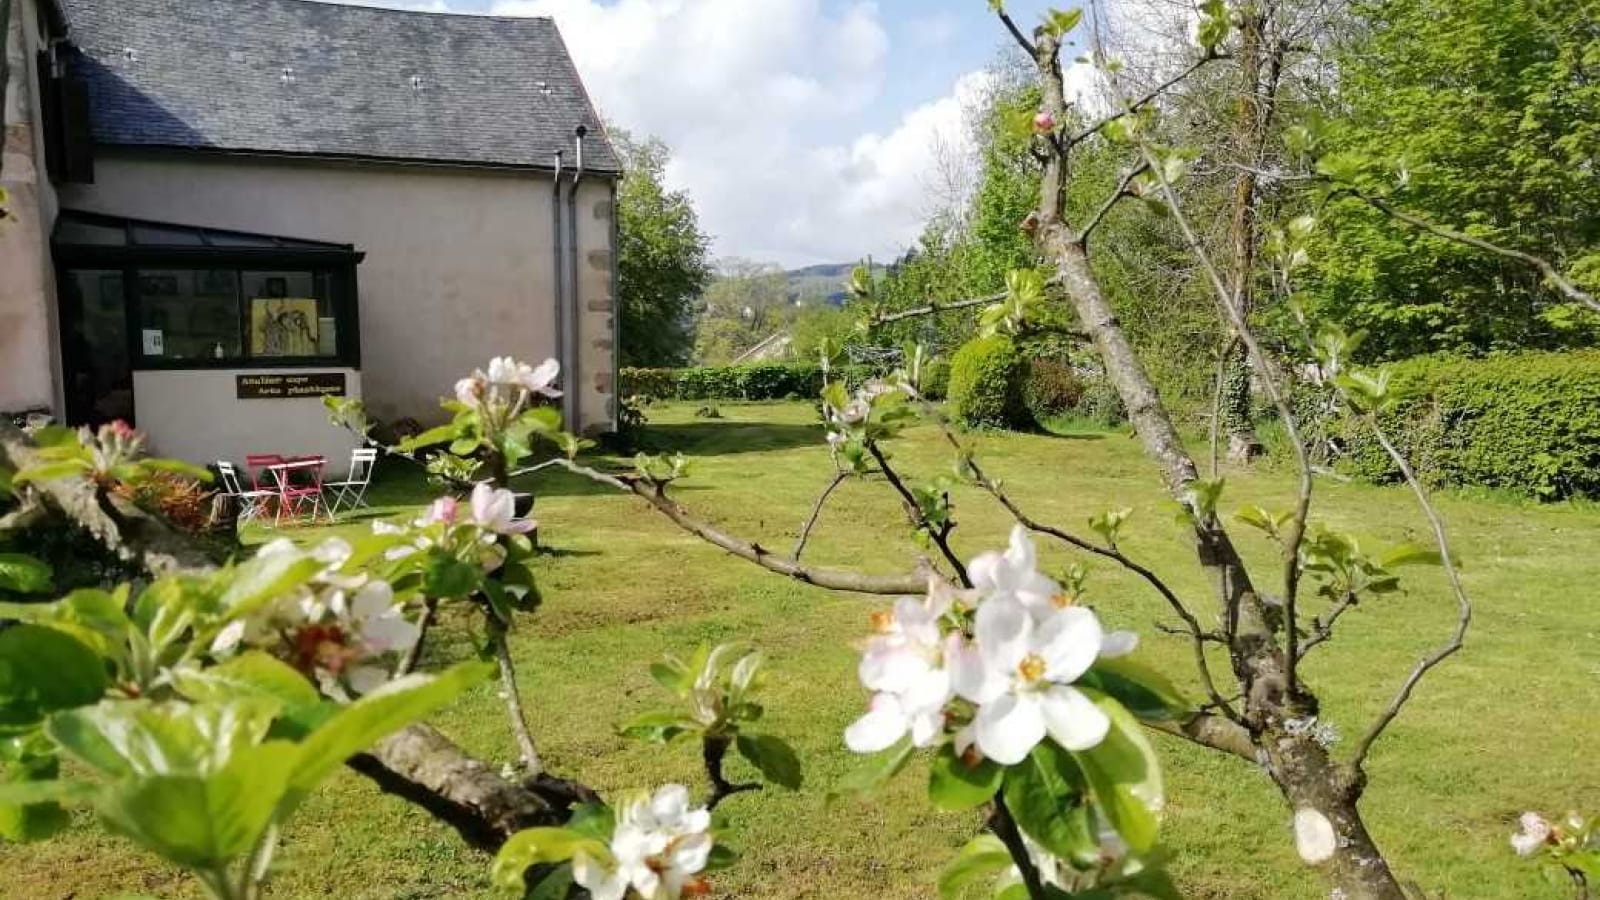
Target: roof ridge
(375,6)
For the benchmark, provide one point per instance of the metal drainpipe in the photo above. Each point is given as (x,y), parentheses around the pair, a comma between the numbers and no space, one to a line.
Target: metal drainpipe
(560,271)
(574,382)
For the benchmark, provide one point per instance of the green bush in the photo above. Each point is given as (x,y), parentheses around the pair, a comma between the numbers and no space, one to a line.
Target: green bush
(987,376)
(1052,389)
(1526,422)
(756,381)
(936,379)
(1101,404)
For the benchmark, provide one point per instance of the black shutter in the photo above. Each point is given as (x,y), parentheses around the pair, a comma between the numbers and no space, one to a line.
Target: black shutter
(64,122)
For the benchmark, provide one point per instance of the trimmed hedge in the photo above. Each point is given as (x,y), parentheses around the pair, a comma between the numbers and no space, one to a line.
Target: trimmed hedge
(1052,389)
(936,379)
(987,376)
(757,381)
(1527,422)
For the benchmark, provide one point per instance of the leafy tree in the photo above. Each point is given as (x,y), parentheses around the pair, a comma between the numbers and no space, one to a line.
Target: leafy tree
(743,305)
(1487,116)
(662,263)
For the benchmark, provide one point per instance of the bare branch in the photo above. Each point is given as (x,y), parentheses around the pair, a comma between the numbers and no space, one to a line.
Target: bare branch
(1196,633)
(816,512)
(1322,626)
(941,535)
(1153,95)
(1111,201)
(1551,275)
(1016,33)
(430,609)
(1463,603)
(1270,380)
(936,307)
(1215,732)
(834,579)
(713,750)
(512,695)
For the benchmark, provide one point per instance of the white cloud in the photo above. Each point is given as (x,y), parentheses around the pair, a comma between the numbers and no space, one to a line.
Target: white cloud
(742,91)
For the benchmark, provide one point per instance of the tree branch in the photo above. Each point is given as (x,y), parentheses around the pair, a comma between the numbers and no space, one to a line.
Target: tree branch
(936,307)
(1153,95)
(941,535)
(1554,277)
(1016,33)
(816,513)
(1463,603)
(1111,201)
(713,750)
(834,579)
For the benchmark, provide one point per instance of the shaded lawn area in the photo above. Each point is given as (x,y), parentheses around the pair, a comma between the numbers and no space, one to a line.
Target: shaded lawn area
(1506,726)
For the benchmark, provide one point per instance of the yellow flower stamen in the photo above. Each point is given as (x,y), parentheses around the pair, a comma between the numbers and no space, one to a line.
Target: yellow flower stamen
(1062,600)
(882,622)
(1031,668)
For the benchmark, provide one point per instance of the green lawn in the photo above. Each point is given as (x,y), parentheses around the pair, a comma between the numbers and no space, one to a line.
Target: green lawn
(1508,725)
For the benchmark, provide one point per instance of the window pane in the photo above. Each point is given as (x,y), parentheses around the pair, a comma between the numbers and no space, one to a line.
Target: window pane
(291,314)
(99,381)
(189,314)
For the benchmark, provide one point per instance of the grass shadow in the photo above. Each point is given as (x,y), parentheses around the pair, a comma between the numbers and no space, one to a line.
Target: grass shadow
(721,438)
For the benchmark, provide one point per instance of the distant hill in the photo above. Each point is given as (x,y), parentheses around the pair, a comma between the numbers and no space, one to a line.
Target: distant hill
(822,283)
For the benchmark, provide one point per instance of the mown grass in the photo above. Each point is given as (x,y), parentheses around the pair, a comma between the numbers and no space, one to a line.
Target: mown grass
(1508,725)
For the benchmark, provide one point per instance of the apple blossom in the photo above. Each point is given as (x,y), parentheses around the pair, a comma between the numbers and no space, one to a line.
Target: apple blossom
(503,370)
(1014,574)
(905,665)
(1535,834)
(494,510)
(1019,673)
(658,848)
(1044,122)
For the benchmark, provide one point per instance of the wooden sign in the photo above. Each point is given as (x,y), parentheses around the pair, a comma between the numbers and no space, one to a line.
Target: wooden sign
(272,386)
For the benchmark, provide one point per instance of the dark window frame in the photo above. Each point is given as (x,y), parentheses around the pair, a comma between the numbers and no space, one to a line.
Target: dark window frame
(337,261)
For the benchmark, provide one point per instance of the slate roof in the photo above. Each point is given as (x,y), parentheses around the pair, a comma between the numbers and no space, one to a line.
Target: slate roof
(305,77)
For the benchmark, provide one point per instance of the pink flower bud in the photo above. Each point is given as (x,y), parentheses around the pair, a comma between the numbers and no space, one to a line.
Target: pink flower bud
(1044,122)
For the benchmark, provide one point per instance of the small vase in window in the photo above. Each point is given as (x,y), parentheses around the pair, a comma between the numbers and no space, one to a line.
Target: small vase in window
(217,352)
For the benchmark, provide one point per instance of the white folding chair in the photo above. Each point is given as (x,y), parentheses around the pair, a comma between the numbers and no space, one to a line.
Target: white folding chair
(354,486)
(252,503)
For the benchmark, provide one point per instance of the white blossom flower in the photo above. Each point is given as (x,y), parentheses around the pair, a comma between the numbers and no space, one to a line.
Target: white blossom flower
(503,370)
(1535,834)
(855,412)
(1015,574)
(469,390)
(494,509)
(1019,672)
(659,847)
(373,626)
(1118,643)
(905,664)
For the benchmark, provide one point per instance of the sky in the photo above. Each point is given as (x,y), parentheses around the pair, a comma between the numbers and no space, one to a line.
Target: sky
(806,131)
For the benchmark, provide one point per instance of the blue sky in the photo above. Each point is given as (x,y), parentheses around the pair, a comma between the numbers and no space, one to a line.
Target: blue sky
(806,130)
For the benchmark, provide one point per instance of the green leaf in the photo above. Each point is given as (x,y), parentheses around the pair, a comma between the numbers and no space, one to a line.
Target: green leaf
(263,579)
(177,467)
(429,438)
(252,674)
(447,576)
(981,859)
(52,471)
(1059,23)
(660,727)
(954,786)
(535,846)
(555,885)
(1146,692)
(204,821)
(875,772)
(594,820)
(771,754)
(1045,793)
(377,715)
(672,675)
(56,436)
(43,670)
(1124,776)
(1410,553)
(23,574)
(94,617)
(138,738)
(35,810)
